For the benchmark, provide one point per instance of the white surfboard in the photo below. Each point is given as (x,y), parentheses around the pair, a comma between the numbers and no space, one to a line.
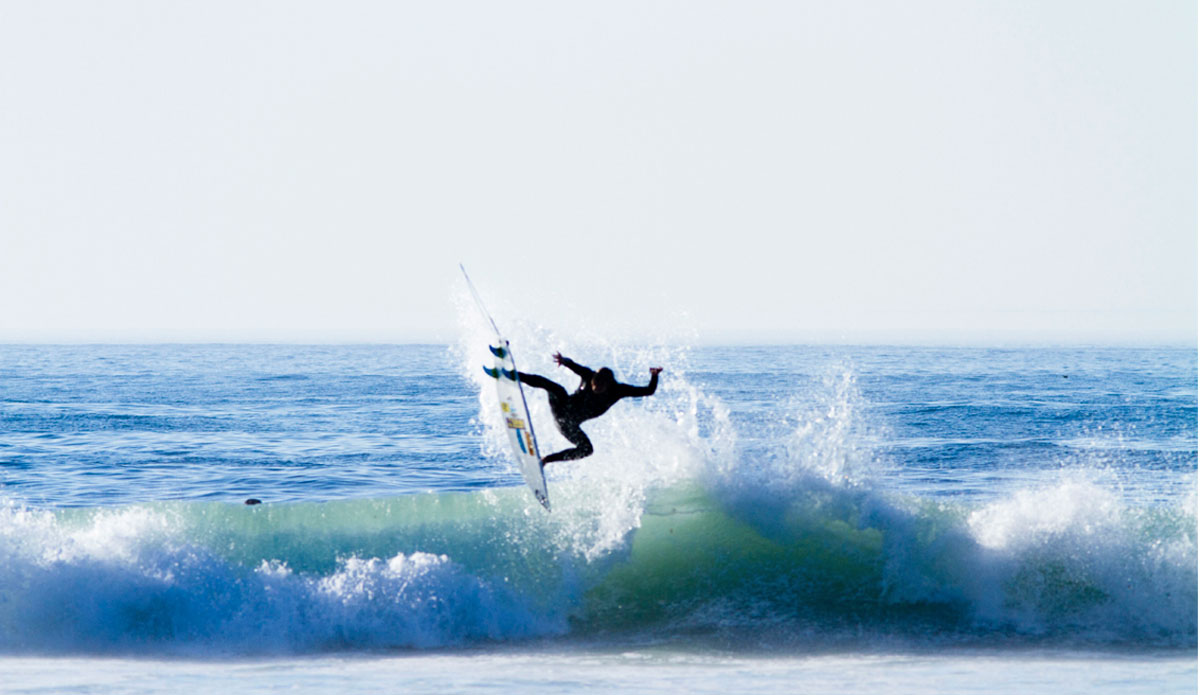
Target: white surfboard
(515,412)
(513,408)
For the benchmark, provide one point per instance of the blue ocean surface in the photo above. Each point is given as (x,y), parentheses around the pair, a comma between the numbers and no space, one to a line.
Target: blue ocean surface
(771,511)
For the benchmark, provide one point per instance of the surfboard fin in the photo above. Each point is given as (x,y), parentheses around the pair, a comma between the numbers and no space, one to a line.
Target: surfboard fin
(496,373)
(498,351)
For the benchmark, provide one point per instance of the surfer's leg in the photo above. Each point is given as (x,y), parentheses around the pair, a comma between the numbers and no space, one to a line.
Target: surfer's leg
(556,394)
(537,381)
(583,445)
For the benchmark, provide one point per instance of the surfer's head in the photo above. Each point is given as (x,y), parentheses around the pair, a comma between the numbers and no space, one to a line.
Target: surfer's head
(602,380)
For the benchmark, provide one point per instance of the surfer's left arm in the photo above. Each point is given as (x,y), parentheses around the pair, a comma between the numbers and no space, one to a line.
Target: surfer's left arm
(581,371)
(647,390)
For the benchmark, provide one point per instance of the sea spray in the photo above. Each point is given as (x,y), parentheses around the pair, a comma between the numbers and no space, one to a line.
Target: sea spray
(811,535)
(1075,557)
(706,527)
(641,443)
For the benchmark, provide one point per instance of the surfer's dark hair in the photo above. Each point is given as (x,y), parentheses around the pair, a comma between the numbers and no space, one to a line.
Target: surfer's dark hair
(605,374)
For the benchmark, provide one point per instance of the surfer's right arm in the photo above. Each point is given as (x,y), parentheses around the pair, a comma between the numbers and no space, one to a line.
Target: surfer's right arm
(627,390)
(581,371)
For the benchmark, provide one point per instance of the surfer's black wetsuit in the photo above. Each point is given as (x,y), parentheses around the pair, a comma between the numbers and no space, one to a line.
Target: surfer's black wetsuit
(570,409)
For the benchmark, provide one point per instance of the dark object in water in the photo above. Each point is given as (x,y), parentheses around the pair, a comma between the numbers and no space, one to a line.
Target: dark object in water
(253,501)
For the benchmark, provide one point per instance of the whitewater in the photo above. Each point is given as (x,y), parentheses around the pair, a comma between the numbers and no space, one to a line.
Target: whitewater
(776,519)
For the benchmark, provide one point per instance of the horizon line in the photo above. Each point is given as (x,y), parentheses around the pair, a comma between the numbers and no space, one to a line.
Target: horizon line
(715,341)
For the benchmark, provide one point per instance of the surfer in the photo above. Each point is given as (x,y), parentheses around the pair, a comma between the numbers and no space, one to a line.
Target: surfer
(597,392)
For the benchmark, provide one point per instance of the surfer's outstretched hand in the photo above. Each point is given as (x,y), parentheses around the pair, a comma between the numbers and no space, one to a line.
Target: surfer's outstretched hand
(654,371)
(558,358)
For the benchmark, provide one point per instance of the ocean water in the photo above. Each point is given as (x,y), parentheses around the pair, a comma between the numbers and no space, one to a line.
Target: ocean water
(774,519)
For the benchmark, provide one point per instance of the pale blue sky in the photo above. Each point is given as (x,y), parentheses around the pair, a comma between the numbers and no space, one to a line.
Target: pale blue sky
(715,171)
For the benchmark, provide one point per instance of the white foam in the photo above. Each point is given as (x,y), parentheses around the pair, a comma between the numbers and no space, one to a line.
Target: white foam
(133,579)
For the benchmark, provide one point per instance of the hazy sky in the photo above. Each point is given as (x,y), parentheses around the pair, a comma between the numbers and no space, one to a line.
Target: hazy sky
(743,171)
